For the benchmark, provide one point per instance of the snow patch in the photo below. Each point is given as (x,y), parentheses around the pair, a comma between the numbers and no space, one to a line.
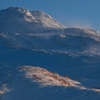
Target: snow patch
(3,35)
(4,89)
(62,35)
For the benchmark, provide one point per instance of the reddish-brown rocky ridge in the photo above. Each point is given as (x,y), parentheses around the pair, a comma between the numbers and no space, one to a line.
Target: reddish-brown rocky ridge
(46,77)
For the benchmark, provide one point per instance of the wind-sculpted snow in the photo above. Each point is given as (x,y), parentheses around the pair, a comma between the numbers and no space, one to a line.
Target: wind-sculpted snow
(71,40)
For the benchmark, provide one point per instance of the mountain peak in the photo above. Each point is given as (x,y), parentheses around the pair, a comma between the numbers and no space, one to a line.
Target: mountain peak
(14,8)
(17,19)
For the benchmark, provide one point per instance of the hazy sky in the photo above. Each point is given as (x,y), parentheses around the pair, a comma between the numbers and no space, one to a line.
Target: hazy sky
(84,13)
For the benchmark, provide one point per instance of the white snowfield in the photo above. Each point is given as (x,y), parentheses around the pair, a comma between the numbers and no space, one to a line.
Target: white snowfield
(68,58)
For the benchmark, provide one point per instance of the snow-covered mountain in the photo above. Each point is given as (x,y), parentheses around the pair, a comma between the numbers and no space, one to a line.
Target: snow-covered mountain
(17,19)
(68,59)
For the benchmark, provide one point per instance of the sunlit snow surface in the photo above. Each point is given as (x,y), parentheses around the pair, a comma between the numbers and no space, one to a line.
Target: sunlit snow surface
(72,52)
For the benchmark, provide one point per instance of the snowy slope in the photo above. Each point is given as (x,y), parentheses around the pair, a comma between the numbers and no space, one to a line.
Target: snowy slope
(17,86)
(46,19)
(68,58)
(74,41)
(66,52)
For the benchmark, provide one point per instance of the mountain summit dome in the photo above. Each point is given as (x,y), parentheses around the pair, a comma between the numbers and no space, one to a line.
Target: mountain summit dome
(17,19)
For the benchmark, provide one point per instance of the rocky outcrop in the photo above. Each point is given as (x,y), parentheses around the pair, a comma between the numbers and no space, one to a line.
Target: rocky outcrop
(46,77)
